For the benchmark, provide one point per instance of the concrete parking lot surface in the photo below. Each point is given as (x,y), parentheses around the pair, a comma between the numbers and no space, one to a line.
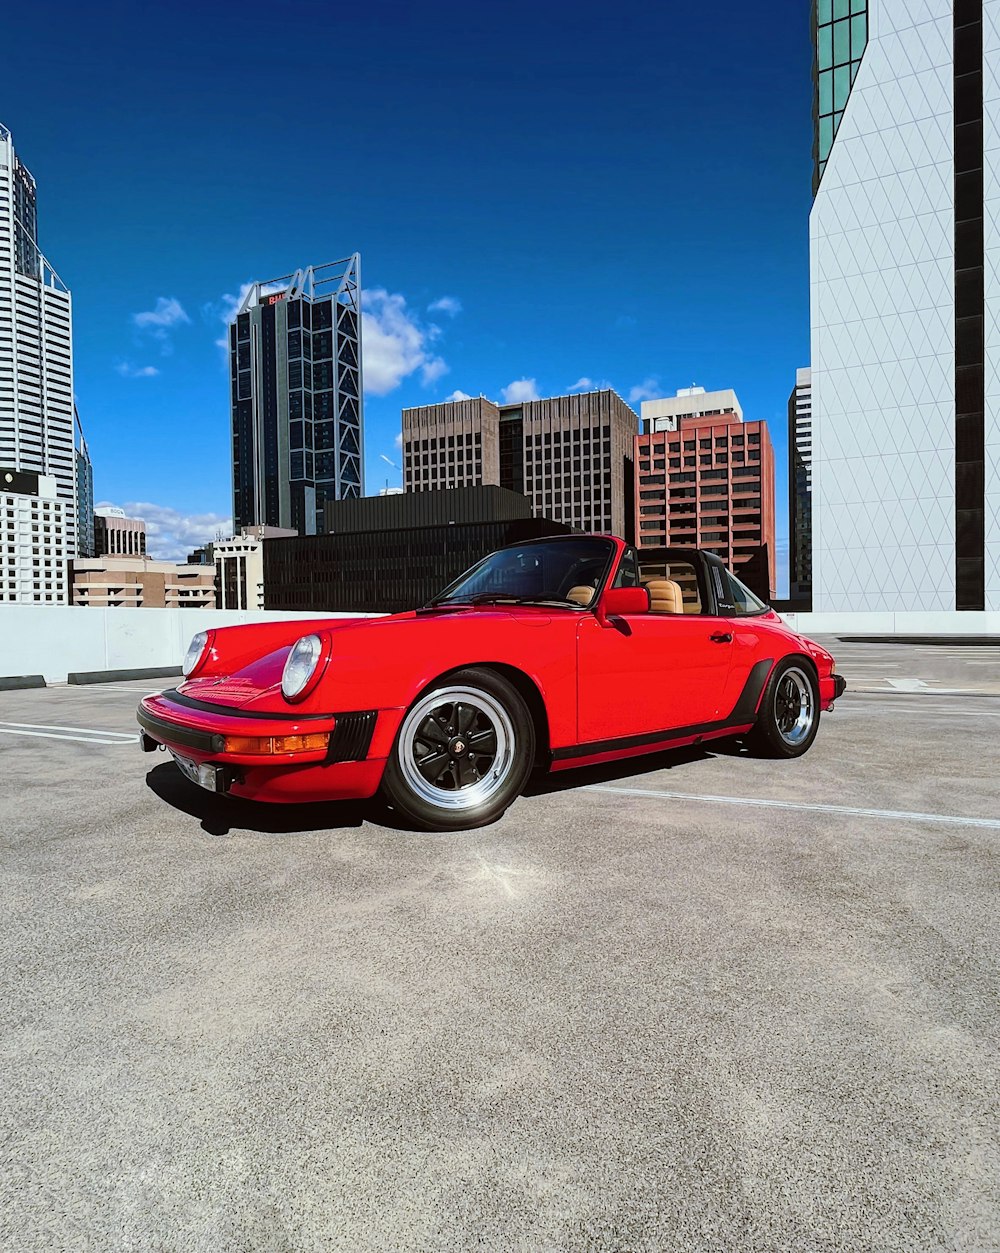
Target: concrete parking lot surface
(695,1002)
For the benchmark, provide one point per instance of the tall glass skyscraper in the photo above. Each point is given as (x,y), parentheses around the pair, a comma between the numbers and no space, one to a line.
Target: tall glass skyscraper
(297,397)
(36,363)
(905,305)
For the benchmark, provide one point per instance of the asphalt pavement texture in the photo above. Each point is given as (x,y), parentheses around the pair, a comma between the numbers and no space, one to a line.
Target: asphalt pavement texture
(694,1001)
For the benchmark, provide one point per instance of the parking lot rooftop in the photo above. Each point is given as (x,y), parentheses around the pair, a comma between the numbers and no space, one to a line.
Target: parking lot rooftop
(691,1001)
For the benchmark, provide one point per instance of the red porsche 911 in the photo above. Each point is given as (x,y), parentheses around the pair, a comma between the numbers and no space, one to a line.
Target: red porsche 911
(550,654)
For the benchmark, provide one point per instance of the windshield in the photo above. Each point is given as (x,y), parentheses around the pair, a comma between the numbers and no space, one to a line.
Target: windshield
(564,572)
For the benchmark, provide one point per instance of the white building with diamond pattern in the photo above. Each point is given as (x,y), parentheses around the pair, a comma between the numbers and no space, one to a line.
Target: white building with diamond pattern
(905,306)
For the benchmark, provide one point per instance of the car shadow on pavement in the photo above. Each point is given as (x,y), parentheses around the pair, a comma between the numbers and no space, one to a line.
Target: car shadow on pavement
(565,780)
(219,815)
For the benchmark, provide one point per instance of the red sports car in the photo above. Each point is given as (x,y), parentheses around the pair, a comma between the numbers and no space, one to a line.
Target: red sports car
(555,653)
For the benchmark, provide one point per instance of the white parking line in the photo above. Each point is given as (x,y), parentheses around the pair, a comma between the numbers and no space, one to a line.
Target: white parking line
(939,711)
(97,688)
(992,824)
(82,735)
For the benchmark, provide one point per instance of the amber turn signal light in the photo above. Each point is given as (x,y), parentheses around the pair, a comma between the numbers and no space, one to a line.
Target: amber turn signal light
(269,744)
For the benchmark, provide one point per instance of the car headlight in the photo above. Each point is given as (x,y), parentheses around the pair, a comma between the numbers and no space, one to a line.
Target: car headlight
(301,667)
(197,652)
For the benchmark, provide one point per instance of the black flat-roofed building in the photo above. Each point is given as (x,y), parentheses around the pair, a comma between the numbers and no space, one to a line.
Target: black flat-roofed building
(387,554)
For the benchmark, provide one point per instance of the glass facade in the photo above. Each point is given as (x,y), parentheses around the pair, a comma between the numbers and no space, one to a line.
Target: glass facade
(840,36)
(26,259)
(84,504)
(295,365)
(970,310)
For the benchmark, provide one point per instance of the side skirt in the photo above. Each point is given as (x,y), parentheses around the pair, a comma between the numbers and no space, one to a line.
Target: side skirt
(742,718)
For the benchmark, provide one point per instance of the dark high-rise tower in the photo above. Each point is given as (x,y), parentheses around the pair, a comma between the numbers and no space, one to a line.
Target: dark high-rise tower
(800,487)
(298,420)
(84,493)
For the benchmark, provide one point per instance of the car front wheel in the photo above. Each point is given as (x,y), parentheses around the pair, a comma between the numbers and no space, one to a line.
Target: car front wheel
(463,753)
(789,712)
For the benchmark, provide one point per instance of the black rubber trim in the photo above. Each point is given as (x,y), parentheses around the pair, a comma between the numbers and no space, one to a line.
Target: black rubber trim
(169,732)
(80,677)
(352,736)
(839,686)
(745,709)
(19,682)
(744,713)
(234,711)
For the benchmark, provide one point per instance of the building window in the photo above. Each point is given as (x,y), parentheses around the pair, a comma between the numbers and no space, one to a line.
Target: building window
(841,35)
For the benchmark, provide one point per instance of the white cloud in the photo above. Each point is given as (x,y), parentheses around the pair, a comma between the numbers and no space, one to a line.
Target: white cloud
(458,395)
(648,389)
(582,385)
(399,440)
(129,371)
(170,534)
(395,344)
(159,323)
(432,370)
(447,304)
(520,390)
(168,312)
(228,305)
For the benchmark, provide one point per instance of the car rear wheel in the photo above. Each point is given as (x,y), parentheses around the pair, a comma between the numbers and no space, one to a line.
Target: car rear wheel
(463,753)
(789,712)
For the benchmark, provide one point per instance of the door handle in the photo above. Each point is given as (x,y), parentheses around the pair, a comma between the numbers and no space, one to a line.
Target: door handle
(721,637)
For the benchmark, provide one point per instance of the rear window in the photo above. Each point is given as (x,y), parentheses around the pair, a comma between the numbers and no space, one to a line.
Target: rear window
(682,573)
(745,601)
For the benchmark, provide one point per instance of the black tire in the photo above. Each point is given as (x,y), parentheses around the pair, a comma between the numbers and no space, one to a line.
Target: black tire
(463,753)
(789,711)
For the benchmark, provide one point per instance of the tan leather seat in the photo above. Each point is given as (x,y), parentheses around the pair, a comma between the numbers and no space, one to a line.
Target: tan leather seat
(582,595)
(665,596)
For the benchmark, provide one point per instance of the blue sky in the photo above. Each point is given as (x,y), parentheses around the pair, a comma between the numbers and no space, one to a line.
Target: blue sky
(608,192)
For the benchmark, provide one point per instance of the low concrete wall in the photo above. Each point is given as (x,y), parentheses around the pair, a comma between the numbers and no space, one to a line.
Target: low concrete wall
(57,640)
(890,623)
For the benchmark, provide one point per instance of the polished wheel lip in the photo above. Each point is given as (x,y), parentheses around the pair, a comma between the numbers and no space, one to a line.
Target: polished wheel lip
(486,707)
(794,706)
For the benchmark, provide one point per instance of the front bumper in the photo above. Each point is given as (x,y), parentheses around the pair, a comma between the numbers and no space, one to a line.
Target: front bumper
(839,686)
(350,767)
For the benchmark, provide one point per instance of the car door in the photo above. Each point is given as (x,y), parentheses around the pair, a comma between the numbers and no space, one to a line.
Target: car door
(648,672)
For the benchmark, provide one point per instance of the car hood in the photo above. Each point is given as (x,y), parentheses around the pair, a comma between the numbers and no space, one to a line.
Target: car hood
(254,683)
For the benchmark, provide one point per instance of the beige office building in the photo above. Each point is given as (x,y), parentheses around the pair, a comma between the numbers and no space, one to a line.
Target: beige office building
(118,536)
(239,566)
(141,583)
(572,456)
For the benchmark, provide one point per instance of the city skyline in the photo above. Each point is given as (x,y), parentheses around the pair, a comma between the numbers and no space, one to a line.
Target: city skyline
(637,278)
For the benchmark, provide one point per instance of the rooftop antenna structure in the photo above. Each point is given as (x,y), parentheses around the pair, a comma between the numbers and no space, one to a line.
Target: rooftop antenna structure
(340,279)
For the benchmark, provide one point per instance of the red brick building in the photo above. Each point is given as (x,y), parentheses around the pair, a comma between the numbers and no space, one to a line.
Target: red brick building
(708,484)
